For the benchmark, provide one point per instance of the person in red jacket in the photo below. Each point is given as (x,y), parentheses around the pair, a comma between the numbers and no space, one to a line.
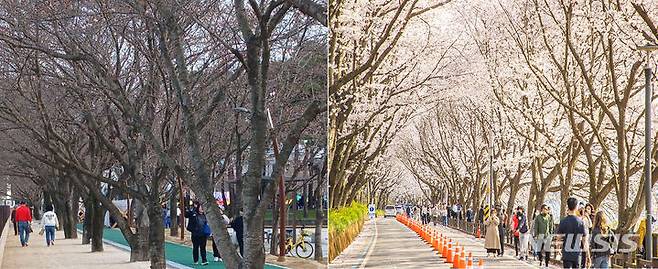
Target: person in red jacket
(515,230)
(24,219)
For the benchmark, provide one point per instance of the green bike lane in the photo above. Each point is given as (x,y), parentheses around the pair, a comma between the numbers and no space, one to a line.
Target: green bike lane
(176,253)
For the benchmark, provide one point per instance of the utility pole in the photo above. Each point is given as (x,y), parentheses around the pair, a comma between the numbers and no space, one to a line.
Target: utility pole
(648,238)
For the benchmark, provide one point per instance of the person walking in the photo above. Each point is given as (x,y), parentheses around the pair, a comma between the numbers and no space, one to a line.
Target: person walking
(49,224)
(524,235)
(13,220)
(215,250)
(586,216)
(501,229)
(197,226)
(24,219)
(514,225)
(469,215)
(480,217)
(575,236)
(601,242)
(238,227)
(491,238)
(543,231)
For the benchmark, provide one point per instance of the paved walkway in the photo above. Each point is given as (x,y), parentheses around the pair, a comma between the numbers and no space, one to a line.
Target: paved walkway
(66,253)
(386,243)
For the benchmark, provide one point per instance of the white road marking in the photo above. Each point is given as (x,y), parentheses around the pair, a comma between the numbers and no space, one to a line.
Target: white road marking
(371,248)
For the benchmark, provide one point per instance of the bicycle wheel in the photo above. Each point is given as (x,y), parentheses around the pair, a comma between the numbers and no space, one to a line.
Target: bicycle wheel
(304,250)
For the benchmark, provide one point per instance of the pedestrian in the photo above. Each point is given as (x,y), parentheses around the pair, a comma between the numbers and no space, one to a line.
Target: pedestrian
(514,224)
(422,214)
(491,238)
(49,224)
(238,227)
(524,235)
(166,213)
(543,231)
(469,215)
(13,220)
(601,242)
(586,215)
(449,213)
(575,236)
(215,250)
(480,217)
(24,219)
(197,226)
(501,229)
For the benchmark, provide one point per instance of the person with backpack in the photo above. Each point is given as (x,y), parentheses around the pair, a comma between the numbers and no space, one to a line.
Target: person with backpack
(198,226)
(524,236)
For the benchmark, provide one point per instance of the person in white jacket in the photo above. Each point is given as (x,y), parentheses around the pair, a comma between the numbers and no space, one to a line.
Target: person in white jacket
(50,223)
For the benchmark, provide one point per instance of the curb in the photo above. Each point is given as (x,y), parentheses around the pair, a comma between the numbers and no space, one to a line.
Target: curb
(126,248)
(3,240)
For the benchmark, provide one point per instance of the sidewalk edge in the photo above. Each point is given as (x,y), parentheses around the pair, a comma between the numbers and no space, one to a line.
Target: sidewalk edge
(3,240)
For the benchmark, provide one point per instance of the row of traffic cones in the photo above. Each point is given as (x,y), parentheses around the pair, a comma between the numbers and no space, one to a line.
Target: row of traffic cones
(445,247)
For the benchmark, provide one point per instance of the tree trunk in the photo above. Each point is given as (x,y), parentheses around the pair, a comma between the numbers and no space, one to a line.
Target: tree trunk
(36,213)
(140,251)
(97,216)
(173,230)
(87,229)
(156,237)
(73,207)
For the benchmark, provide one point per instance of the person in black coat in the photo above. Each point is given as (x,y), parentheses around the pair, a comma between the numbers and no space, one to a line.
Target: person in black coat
(238,227)
(13,220)
(196,226)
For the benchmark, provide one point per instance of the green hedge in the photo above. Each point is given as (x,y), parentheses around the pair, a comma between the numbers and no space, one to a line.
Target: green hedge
(341,218)
(379,213)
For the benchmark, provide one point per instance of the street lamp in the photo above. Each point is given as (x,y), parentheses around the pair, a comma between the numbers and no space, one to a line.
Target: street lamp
(648,240)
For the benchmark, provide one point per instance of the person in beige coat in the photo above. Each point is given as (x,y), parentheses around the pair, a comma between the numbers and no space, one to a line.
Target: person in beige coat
(492,238)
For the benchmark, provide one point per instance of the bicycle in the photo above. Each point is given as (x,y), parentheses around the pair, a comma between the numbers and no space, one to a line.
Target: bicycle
(303,248)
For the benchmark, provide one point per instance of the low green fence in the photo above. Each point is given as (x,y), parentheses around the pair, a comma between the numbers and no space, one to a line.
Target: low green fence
(344,225)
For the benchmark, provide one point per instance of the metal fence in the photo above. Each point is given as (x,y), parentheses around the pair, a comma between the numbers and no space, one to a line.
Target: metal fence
(5,213)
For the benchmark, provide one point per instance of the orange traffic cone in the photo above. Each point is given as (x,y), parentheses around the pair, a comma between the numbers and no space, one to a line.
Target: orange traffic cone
(478,232)
(481,264)
(469,264)
(462,260)
(455,259)
(449,255)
